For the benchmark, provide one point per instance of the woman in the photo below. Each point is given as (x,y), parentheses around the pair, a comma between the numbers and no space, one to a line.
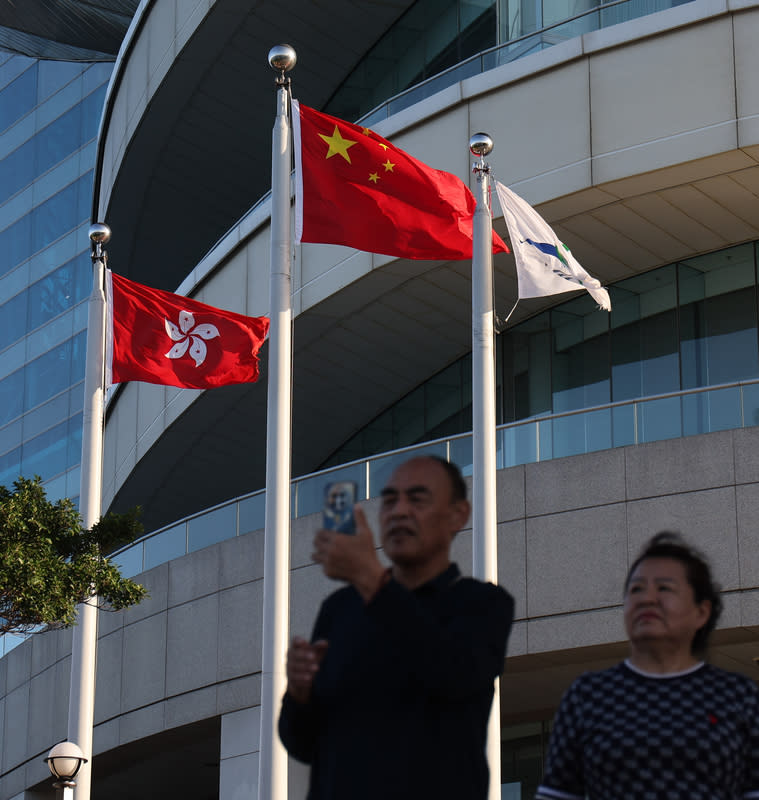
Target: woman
(662,724)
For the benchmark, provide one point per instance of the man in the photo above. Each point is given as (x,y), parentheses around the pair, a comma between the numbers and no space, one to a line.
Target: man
(391,698)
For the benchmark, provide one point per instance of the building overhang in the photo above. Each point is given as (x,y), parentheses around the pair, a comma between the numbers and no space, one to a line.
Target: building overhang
(65,30)
(200,155)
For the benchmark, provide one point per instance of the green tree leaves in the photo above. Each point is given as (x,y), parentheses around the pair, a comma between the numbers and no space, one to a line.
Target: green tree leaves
(49,563)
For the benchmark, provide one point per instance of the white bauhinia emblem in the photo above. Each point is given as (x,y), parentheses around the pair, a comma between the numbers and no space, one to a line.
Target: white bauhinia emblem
(189,335)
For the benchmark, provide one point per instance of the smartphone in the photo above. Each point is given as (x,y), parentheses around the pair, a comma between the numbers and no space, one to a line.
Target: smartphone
(339,499)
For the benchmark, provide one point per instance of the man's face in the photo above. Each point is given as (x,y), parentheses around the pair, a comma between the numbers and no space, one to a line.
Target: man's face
(418,516)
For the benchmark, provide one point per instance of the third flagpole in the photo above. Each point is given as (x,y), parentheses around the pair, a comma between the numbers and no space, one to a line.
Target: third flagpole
(484,517)
(272,774)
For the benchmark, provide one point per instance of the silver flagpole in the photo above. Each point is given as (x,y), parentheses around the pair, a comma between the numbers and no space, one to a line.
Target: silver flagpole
(484,518)
(84,643)
(272,774)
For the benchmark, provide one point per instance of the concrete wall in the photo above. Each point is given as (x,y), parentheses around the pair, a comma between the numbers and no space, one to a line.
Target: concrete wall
(567,531)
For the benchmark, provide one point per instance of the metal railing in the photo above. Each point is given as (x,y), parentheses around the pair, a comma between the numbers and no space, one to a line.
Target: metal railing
(665,416)
(505,53)
(630,422)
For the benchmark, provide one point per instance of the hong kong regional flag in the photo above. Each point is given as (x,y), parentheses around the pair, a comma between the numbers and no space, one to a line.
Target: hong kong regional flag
(160,337)
(354,188)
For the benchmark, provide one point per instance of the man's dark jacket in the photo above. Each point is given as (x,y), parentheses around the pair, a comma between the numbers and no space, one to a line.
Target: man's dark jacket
(400,704)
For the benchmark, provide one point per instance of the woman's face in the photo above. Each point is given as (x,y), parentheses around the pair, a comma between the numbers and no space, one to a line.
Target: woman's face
(660,608)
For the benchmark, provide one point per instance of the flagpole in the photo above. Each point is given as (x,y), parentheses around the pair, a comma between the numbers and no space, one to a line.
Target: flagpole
(484,520)
(84,643)
(272,774)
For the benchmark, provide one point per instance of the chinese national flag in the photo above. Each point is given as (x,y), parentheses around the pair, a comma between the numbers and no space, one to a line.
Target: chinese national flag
(357,189)
(160,337)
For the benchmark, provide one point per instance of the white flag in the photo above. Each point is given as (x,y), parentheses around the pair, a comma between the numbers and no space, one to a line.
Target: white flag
(545,265)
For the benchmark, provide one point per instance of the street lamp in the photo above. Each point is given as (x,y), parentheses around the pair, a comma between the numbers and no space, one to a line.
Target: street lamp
(64,761)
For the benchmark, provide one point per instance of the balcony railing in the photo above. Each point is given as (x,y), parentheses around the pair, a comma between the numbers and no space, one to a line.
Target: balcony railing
(666,416)
(601,16)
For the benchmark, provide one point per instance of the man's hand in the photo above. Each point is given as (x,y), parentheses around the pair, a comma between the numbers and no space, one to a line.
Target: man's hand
(351,557)
(303,660)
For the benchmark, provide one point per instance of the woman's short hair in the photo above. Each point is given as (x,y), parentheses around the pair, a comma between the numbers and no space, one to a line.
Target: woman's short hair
(669,544)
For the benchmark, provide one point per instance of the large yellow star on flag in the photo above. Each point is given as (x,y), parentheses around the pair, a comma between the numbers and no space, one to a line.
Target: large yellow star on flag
(337,145)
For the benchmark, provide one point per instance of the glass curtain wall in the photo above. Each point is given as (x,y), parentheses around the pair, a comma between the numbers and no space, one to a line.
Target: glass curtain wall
(430,37)
(682,326)
(49,117)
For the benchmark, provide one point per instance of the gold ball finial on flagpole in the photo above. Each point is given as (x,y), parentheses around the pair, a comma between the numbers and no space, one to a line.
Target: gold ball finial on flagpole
(282,58)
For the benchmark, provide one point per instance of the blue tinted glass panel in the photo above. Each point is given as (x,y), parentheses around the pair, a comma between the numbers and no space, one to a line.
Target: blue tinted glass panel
(55,216)
(171,543)
(56,74)
(55,370)
(129,561)
(92,109)
(309,493)
(47,375)
(17,170)
(59,291)
(13,323)
(623,425)
(659,419)
(10,467)
(74,449)
(545,440)
(750,405)
(11,396)
(78,357)
(215,526)
(645,357)
(719,341)
(15,243)
(252,513)
(45,455)
(46,223)
(705,412)
(520,444)
(461,454)
(84,198)
(567,437)
(18,98)
(59,139)
(581,433)
(580,365)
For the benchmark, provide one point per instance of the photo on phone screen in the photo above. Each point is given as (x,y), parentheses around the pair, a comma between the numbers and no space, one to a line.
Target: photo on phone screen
(339,499)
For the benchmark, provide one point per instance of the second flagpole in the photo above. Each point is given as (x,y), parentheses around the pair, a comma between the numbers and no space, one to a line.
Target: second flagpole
(484,517)
(272,773)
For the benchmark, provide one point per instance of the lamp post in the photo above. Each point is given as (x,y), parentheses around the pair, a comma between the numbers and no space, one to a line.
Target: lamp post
(64,761)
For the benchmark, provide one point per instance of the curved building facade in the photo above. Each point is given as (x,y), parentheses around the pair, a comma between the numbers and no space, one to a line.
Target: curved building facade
(636,135)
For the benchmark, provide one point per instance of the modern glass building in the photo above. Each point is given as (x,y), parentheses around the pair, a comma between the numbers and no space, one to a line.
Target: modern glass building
(49,117)
(678,328)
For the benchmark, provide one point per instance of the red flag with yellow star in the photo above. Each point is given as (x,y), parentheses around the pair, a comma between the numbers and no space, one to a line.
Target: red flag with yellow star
(357,189)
